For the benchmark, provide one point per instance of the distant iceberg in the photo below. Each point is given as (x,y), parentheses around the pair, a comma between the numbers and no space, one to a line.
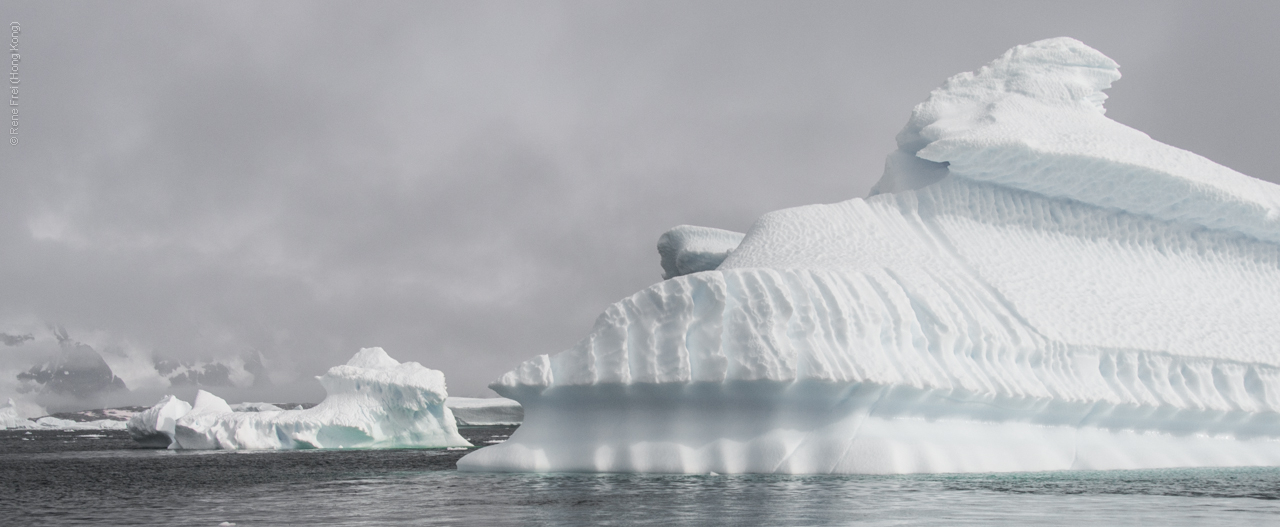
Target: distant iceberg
(1032,286)
(472,411)
(255,407)
(55,423)
(373,401)
(11,418)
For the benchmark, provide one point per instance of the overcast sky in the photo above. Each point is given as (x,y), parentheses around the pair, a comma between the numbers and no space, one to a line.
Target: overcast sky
(469,184)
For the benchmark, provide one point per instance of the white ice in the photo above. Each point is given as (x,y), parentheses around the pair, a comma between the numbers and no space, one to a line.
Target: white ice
(54,423)
(1032,286)
(373,401)
(472,411)
(10,417)
(155,426)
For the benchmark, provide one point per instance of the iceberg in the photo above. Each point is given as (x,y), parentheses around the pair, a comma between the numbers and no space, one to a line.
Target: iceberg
(1031,286)
(155,426)
(55,423)
(493,411)
(10,417)
(373,401)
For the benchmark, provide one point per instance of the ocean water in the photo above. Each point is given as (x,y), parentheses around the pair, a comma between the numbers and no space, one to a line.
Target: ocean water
(103,478)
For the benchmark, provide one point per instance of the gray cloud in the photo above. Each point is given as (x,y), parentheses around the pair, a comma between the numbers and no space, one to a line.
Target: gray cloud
(469,184)
(14,340)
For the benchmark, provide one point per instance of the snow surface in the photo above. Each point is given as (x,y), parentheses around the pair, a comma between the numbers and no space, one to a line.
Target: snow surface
(373,401)
(472,411)
(687,249)
(1032,286)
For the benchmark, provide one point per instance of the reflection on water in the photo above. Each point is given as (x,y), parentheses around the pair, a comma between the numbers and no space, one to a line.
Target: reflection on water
(69,478)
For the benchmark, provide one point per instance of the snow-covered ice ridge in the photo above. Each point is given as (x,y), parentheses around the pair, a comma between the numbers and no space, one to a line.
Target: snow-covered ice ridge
(373,401)
(1032,286)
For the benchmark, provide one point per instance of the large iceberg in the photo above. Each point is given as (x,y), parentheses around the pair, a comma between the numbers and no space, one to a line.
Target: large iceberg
(1032,286)
(373,401)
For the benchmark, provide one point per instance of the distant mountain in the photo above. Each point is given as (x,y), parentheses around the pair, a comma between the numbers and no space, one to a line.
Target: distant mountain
(77,371)
(214,373)
(14,340)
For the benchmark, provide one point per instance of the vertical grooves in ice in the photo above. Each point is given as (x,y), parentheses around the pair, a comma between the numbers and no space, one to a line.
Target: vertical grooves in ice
(925,296)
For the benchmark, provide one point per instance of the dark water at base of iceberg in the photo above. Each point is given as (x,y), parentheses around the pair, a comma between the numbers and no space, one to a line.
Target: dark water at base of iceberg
(102,478)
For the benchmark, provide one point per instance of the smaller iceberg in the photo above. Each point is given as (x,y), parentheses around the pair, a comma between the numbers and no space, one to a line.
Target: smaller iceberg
(492,411)
(373,401)
(155,426)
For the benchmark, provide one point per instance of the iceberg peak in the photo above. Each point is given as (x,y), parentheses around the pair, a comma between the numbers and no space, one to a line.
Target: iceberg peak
(1058,72)
(155,426)
(208,403)
(374,359)
(1032,120)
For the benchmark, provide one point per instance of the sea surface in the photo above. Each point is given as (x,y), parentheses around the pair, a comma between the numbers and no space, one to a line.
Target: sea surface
(103,478)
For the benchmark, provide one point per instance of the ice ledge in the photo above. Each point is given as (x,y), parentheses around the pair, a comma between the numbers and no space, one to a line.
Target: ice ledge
(686,249)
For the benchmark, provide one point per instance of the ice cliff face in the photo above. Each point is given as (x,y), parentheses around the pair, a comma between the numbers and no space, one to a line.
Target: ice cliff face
(1032,286)
(373,401)
(155,426)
